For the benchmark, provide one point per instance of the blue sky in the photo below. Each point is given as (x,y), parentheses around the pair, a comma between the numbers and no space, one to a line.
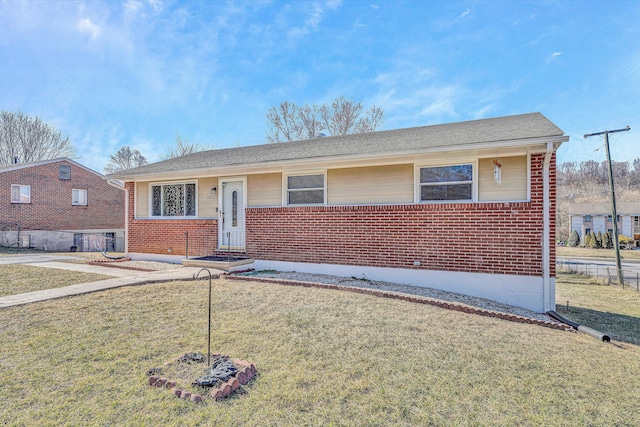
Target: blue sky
(136,73)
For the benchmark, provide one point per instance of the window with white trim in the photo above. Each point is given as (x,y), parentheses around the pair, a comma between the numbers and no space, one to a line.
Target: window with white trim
(79,197)
(20,193)
(305,189)
(173,199)
(446,183)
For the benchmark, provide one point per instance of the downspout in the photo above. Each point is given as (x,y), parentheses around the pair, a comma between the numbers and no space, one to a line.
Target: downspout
(546,230)
(118,185)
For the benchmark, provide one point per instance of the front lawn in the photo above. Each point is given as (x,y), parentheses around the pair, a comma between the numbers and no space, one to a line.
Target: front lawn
(609,309)
(19,278)
(324,358)
(565,251)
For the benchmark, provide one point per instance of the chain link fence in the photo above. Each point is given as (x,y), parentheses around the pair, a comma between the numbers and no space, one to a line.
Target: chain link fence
(13,238)
(606,274)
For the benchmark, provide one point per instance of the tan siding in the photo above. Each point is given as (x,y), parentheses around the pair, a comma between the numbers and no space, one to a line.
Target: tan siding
(264,190)
(207,202)
(514,179)
(370,185)
(142,200)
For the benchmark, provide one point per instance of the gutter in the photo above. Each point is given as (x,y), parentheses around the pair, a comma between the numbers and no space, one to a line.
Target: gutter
(546,231)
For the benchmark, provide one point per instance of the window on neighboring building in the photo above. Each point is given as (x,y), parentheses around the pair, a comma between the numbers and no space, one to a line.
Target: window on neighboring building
(587,218)
(64,172)
(79,197)
(446,183)
(608,218)
(173,199)
(305,189)
(20,194)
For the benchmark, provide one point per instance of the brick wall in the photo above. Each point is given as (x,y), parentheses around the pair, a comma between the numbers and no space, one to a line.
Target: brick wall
(51,208)
(504,238)
(167,236)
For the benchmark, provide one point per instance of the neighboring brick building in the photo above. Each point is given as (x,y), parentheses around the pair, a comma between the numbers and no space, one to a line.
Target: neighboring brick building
(467,207)
(59,203)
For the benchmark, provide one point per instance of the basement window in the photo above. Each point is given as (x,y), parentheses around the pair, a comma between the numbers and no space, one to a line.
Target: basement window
(446,183)
(305,189)
(20,194)
(173,200)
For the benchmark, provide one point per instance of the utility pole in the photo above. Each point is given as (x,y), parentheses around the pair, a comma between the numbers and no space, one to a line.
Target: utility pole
(614,213)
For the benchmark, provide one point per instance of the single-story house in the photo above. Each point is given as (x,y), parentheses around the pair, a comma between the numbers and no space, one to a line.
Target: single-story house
(596,217)
(58,204)
(466,207)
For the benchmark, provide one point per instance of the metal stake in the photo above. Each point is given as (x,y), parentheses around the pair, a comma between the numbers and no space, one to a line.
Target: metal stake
(195,276)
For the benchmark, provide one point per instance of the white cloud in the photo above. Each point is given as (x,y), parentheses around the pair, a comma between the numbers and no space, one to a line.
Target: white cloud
(465,13)
(86,26)
(553,57)
(314,18)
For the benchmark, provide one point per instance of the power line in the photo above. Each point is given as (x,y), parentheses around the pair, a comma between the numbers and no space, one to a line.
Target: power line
(614,214)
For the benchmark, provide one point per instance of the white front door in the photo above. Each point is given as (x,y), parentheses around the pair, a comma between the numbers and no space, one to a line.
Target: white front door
(232,220)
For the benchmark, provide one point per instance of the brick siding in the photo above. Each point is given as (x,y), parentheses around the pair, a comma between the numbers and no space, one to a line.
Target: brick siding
(501,238)
(51,208)
(166,236)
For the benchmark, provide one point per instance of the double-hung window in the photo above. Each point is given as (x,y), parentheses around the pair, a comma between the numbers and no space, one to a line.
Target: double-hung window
(173,199)
(79,197)
(305,189)
(20,194)
(446,183)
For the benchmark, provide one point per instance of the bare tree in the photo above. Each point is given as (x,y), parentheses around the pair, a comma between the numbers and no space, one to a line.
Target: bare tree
(29,139)
(184,147)
(125,158)
(288,122)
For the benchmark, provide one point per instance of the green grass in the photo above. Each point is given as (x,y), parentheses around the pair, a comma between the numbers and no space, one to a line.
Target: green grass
(19,278)
(609,309)
(566,251)
(324,358)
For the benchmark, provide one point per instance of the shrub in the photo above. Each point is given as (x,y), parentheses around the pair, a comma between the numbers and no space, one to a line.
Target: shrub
(625,241)
(574,239)
(598,240)
(606,241)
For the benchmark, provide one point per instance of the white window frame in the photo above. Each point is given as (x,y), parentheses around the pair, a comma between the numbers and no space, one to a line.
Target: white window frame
(285,187)
(21,193)
(156,184)
(474,182)
(82,199)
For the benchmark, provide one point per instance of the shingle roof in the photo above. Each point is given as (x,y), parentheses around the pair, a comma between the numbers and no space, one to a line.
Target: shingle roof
(16,166)
(424,138)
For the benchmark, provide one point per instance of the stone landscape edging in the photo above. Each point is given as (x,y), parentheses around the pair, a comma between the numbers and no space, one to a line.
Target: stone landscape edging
(246,373)
(407,297)
(122,267)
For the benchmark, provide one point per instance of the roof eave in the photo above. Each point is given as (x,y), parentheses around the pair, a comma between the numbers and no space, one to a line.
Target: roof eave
(537,144)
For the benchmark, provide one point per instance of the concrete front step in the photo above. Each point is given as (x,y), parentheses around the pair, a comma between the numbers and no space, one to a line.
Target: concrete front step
(230,266)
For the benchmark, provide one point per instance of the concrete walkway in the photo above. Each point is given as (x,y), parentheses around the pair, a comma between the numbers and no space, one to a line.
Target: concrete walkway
(124,278)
